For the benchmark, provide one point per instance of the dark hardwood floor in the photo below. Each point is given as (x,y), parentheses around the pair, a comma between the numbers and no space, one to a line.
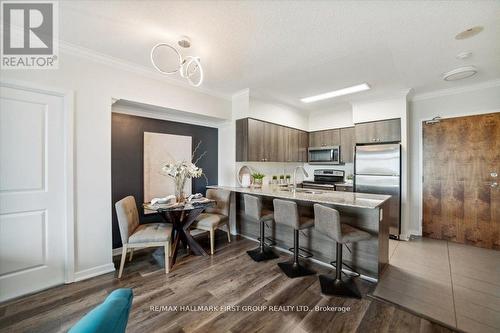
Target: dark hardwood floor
(228,278)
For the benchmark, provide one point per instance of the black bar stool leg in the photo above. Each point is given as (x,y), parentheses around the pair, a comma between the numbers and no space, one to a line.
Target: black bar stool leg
(295,269)
(263,252)
(336,286)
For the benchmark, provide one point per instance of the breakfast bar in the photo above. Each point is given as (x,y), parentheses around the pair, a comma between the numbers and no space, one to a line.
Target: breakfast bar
(364,211)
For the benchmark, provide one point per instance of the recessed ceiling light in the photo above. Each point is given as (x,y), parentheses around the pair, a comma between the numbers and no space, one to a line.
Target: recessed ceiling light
(469,32)
(336,93)
(460,73)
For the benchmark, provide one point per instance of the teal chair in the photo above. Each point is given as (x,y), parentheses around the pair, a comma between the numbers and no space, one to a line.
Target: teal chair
(111,316)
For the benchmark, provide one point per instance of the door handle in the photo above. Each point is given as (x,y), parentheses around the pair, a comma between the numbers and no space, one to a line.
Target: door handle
(494,184)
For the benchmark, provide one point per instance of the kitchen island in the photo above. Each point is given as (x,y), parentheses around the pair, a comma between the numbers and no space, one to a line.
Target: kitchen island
(361,210)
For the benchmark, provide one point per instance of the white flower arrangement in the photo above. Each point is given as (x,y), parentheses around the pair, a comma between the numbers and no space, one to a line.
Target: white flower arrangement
(180,171)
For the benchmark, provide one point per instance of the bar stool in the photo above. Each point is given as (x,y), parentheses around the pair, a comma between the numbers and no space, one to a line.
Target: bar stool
(327,221)
(286,213)
(253,209)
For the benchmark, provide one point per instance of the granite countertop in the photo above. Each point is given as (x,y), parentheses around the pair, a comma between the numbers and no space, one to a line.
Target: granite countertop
(350,199)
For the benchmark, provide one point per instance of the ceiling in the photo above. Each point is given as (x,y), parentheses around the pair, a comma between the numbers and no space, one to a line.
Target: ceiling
(284,51)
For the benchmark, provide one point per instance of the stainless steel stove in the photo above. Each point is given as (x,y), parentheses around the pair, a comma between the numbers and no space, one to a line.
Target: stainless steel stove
(325,179)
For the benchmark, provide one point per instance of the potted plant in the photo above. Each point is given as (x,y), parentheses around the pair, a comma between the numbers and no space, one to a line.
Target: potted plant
(275,179)
(349,178)
(288,177)
(257,179)
(282,179)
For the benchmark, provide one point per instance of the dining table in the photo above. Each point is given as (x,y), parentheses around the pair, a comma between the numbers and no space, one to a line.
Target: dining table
(181,216)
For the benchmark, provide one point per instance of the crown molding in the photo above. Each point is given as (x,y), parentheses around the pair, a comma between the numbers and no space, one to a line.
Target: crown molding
(89,54)
(457,90)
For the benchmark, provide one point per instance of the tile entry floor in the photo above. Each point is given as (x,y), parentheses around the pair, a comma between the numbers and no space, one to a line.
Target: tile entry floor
(456,284)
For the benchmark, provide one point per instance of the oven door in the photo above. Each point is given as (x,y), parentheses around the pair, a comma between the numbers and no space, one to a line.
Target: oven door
(324,155)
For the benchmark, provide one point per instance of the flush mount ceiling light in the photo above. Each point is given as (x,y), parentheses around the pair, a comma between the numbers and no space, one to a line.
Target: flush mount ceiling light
(168,60)
(336,93)
(460,73)
(469,32)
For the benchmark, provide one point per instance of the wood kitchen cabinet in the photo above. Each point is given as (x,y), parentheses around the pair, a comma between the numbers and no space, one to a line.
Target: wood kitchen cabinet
(303,145)
(344,188)
(324,138)
(347,143)
(260,141)
(274,139)
(379,131)
(256,140)
(292,145)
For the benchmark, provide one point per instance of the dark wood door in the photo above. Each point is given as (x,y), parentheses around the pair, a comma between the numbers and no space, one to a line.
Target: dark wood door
(461,202)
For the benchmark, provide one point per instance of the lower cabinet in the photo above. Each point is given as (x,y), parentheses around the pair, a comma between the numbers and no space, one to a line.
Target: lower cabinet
(344,188)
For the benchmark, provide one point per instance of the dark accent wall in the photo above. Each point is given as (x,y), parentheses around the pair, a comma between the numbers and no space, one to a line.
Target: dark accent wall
(127,154)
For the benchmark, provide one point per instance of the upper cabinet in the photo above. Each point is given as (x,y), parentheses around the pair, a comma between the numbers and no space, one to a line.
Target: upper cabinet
(260,141)
(343,137)
(379,131)
(324,138)
(303,145)
(347,143)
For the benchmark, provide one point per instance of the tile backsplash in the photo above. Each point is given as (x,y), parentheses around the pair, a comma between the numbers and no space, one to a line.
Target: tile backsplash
(271,169)
(348,168)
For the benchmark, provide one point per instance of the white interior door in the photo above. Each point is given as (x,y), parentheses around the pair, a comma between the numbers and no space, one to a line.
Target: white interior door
(32,192)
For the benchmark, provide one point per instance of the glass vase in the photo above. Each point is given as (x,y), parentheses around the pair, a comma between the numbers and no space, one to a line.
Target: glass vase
(180,196)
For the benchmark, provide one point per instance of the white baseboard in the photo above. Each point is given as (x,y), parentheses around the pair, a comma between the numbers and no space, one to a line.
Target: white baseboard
(94,271)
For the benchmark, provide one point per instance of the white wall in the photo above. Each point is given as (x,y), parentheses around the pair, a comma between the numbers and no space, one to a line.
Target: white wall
(95,84)
(478,99)
(278,114)
(227,139)
(333,117)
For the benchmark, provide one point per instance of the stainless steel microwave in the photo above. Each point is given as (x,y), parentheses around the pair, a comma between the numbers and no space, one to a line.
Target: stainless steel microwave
(324,155)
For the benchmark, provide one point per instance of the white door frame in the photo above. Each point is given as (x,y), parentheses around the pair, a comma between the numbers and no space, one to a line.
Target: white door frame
(421,155)
(68,121)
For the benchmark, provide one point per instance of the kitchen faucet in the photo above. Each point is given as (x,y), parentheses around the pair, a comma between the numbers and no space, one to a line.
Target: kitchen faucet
(294,186)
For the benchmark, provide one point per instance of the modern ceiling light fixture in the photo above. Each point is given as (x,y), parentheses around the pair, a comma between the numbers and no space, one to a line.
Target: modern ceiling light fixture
(469,32)
(168,60)
(460,73)
(336,93)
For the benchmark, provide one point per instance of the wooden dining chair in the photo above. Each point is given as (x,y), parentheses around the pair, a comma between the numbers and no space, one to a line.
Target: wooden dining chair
(135,235)
(215,217)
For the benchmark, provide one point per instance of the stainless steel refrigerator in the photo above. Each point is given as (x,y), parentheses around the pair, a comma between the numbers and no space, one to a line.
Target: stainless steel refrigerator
(377,170)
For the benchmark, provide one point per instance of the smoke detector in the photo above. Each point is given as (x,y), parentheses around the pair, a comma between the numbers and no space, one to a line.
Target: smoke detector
(471,32)
(460,73)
